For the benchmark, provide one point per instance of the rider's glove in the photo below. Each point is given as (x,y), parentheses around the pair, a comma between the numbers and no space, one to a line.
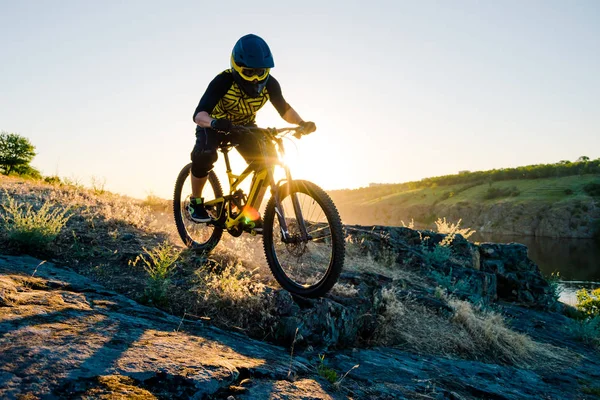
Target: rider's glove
(221,124)
(307,127)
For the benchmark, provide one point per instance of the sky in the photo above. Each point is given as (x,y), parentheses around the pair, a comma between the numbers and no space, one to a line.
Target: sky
(399,90)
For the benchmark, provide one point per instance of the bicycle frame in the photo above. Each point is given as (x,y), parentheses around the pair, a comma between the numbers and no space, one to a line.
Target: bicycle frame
(262,179)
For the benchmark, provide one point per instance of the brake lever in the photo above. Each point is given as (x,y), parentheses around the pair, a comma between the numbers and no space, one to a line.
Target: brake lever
(299,133)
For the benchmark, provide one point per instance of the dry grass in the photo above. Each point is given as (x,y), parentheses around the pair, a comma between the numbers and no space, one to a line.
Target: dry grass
(452,229)
(234,297)
(469,332)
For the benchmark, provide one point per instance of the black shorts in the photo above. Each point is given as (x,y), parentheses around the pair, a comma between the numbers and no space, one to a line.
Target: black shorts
(204,155)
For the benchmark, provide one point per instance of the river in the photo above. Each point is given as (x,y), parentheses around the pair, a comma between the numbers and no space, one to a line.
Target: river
(576,260)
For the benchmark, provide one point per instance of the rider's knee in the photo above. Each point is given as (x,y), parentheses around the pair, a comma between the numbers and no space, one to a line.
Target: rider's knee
(203,161)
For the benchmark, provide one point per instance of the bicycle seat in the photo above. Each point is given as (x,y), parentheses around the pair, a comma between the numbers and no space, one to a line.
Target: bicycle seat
(226,145)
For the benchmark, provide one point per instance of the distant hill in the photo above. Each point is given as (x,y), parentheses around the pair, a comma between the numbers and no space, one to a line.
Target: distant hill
(557,200)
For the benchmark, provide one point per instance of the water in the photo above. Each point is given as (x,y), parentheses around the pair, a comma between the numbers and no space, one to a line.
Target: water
(576,260)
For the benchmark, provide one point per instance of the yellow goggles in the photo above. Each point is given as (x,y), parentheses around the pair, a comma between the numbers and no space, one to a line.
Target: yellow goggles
(251,74)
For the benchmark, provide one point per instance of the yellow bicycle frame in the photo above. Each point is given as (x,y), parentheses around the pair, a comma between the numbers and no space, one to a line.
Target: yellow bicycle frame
(263,178)
(255,197)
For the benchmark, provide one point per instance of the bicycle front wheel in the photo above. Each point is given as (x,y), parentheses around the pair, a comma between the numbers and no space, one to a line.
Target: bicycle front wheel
(198,236)
(308,267)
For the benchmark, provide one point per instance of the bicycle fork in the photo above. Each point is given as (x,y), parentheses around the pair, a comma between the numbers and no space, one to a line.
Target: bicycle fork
(286,237)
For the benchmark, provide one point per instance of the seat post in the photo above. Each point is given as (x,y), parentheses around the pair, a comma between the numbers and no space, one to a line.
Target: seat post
(225,150)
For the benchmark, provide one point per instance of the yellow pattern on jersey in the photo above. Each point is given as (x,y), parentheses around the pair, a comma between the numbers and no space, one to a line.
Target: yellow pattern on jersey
(238,107)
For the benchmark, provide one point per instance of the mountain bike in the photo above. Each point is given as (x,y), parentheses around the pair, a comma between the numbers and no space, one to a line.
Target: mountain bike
(303,236)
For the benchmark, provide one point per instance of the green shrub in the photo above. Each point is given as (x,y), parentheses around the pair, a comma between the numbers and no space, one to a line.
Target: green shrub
(159,264)
(555,286)
(568,191)
(589,303)
(587,330)
(496,193)
(592,189)
(439,255)
(52,180)
(328,373)
(31,229)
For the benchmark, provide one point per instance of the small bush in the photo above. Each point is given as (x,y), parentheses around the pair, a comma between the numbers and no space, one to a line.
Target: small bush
(446,195)
(159,264)
(592,189)
(568,192)
(555,285)
(587,330)
(589,303)
(328,373)
(442,251)
(448,283)
(496,193)
(439,255)
(451,229)
(53,180)
(31,229)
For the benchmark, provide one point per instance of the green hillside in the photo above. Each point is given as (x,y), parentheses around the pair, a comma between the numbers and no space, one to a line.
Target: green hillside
(544,190)
(540,196)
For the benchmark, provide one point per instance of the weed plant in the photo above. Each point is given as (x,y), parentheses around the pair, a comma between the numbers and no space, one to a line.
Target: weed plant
(326,372)
(159,263)
(555,286)
(32,229)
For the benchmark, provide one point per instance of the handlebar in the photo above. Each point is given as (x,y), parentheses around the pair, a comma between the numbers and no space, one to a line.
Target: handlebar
(270,132)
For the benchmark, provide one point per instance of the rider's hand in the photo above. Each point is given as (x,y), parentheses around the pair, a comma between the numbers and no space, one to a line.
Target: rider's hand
(221,125)
(307,127)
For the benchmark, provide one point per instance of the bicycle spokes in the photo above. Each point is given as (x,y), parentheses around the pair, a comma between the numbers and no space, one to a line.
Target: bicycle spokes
(202,236)
(306,255)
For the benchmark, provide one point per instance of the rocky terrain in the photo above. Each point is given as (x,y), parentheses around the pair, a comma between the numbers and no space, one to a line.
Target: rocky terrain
(416,314)
(65,336)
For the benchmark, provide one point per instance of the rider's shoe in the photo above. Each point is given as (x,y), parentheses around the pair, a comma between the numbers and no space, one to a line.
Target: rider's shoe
(258,225)
(197,211)
(254,226)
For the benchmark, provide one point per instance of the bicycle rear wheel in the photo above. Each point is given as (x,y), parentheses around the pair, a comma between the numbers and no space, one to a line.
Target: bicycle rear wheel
(310,267)
(199,236)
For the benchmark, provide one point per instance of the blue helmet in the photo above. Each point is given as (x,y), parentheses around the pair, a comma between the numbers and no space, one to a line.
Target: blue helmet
(251,62)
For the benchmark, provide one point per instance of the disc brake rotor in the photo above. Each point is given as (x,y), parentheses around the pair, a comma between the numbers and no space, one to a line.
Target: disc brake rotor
(297,247)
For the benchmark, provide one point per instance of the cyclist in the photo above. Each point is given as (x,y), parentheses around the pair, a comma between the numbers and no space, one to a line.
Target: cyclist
(233,98)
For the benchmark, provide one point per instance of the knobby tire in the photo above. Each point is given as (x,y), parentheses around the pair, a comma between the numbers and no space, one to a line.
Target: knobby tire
(178,212)
(333,270)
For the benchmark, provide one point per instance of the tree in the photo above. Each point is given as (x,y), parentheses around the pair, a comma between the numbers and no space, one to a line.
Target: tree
(16,152)
(583,159)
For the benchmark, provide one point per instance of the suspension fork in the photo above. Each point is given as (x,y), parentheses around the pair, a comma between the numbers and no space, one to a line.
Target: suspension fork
(286,237)
(296,204)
